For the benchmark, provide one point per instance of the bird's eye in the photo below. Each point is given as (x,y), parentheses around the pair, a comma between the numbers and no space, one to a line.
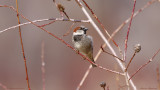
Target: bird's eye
(81,28)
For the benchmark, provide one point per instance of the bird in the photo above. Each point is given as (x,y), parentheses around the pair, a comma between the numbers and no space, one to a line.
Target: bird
(83,43)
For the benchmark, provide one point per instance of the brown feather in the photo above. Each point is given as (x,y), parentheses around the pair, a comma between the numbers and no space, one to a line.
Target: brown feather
(77,28)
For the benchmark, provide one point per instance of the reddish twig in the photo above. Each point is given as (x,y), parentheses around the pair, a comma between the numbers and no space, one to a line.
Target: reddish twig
(47,23)
(107,43)
(158,78)
(130,61)
(122,87)
(22,47)
(150,60)
(137,49)
(56,19)
(95,16)
(103,85)
(61,13)
(43,66)
(3,86)
(84,77)
(129,29)
(61,9)
(110,54)
(113,34)
(63,42)
(69,30)
(90,67)
(135,14)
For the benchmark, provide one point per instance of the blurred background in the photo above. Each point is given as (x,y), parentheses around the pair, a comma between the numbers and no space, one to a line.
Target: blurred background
(64,68)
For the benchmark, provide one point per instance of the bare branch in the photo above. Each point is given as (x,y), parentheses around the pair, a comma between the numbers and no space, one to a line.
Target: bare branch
(54,19)
(22,47)
(126,41)
(69,30)
(107,43)
(110,54)
(43,66)
(64,42)
(3,86)
(150,60)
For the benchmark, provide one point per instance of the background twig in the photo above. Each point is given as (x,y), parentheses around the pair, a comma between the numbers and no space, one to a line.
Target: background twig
(24,57)
(150,60)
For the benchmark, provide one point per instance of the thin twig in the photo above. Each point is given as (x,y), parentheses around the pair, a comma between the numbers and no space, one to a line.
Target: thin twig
(111,54)
(107,43)
(130,61)
(43,66)
(137,49)
(141,67)
(61,9)
(158,78)
(47,24)
(132,84)
(54,1)
(113,34)
(135,14)
(3,86)
(126,41)
(65,43)
(56,19)
(22,47)
(103,85)
(95,16)
(90,67)
(84,77)
(69,30)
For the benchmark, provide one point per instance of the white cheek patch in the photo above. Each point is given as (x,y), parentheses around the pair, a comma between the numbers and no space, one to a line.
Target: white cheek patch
(78,32)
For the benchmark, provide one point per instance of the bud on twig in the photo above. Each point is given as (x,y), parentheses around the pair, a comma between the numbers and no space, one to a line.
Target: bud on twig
(61,8)
(137,48)
(103,85)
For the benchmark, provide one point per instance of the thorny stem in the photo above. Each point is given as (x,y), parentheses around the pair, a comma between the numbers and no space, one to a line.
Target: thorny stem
(20,34)
(150,60)
(126,41)
(107,43)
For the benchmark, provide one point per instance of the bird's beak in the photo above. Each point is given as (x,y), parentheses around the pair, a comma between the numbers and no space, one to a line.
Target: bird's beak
(85,29)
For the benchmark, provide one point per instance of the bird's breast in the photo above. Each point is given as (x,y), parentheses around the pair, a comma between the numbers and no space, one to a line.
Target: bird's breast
(77,38)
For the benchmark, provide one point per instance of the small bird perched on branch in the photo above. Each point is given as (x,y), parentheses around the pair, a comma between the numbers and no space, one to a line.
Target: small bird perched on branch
(83,43)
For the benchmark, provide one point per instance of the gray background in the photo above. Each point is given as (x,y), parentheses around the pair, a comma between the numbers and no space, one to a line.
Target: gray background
(64,68)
